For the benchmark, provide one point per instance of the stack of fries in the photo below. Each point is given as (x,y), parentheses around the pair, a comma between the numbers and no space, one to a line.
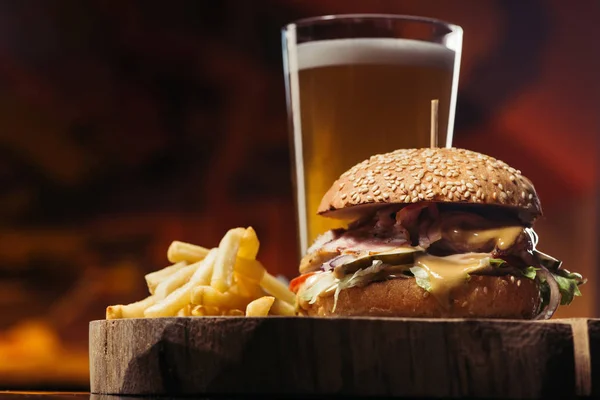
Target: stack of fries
(227,280)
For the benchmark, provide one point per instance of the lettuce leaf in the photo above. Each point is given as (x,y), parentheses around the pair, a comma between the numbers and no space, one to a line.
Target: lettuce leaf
(530,272)
(359,278)
(323,282)
(422,277)
(497,262)
(568,284)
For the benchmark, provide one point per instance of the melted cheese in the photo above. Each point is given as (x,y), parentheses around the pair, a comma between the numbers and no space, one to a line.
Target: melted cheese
(450,272)
(503,237)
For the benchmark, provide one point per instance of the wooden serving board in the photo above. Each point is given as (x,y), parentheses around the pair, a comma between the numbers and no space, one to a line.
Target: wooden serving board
(282,356)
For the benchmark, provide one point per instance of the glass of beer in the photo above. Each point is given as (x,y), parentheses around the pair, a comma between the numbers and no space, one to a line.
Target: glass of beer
(359,85)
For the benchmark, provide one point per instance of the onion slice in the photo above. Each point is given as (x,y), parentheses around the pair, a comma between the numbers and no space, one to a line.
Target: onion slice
(554,300)
(340,260)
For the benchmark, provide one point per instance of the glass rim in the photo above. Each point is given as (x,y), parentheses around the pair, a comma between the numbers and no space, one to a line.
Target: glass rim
(323,19)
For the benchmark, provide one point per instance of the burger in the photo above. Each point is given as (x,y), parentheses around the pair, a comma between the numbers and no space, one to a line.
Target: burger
(440,232)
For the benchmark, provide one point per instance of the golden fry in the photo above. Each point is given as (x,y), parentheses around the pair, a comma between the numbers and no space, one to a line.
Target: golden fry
(185,311)
(197,311)
(249,245)
(209,296)
(260,307)
(250,269)
(182,251)
(153,279)
(235,312)
(205,311)
(222,277)
(176,280)
(133,310)
(277,288)
(181,296)
(246,288)
(114,312)
(281,307)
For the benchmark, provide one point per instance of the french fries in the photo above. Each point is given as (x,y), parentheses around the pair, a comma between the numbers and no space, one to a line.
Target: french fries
(154,278)
(222,281)
(181,251)
(228,250)
(133,310)
(209,296)
(250,244)
(260,307)
(276,288)
(251,270)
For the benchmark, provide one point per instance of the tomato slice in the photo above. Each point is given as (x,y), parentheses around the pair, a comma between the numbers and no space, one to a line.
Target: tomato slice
(299,280)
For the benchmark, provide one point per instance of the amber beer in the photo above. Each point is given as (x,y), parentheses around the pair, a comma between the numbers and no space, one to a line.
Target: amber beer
(359,97)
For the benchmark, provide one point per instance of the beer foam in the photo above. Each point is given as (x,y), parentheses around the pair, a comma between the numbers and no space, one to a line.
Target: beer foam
(329,53)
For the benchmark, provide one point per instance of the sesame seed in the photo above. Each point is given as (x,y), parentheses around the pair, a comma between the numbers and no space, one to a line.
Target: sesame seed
(412,186)
(377,192)
(466,195)
(429,178)
(415,199)
(369,198)
(485,289)
(402,197)
(494,182)
(530,196)
(469,185)
(343,196)
(450,195)
(375,187)
(477,182)
(500,186)
(363,190)
(402,186)
(445,191)
(386,195)
(512,278)
(494,195)
(512,178)
(394,188)
(519,282)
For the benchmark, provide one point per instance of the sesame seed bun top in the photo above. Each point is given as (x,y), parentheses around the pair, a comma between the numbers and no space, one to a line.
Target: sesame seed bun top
(446,175)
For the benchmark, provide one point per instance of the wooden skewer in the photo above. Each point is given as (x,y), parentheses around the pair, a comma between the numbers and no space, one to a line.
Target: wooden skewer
(434,123)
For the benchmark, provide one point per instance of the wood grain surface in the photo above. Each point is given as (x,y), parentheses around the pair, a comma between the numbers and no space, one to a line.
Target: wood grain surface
(341,356)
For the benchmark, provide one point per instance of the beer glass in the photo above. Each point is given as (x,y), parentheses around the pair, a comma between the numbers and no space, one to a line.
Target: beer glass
(359,85)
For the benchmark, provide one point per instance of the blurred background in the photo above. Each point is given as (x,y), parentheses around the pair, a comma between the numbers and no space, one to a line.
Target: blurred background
(127,124)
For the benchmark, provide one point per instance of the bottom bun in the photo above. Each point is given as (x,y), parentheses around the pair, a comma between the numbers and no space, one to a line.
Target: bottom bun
(481,297)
